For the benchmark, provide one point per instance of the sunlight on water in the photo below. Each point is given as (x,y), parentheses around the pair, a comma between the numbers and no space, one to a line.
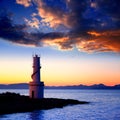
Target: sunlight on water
(105,105)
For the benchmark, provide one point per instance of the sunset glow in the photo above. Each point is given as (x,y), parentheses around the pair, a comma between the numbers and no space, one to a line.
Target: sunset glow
(78,41)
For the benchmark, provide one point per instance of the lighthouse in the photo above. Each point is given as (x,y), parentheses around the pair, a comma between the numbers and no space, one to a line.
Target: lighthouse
(36,87)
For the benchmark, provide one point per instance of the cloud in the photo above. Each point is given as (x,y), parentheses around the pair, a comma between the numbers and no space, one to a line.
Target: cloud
(33,23)
(18,33)
(96,42)
(102,42)
(26,3)
(91,26)
(54,15)
(110,7)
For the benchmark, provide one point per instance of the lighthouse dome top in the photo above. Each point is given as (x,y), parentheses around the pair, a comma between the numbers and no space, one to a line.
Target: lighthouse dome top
(36,55)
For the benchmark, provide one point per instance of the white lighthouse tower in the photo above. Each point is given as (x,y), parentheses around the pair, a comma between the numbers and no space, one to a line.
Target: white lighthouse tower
(36,87)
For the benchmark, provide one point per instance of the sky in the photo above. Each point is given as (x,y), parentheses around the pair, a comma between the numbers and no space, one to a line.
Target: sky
(78,41)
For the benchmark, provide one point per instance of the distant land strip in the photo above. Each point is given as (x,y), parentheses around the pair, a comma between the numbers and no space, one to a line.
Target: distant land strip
(26,86)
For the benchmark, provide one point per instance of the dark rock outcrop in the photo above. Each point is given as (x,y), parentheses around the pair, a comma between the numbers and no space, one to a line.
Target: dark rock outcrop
(13,103)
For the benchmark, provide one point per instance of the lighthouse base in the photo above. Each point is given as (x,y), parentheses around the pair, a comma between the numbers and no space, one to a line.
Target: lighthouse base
(36,90)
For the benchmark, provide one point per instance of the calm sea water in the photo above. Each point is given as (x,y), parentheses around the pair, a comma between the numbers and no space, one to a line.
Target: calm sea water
(104,105)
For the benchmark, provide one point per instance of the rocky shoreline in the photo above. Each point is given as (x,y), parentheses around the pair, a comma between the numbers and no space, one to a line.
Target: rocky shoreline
(15,103)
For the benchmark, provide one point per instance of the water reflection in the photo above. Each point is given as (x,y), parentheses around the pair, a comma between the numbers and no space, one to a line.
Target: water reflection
(36,115)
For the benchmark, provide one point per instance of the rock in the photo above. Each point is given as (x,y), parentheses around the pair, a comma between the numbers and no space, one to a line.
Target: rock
(14,103)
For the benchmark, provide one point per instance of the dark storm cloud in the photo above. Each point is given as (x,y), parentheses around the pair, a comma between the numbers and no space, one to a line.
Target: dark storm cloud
(111,7)
(12,32)
(85,20)
(91,25)
(18,34)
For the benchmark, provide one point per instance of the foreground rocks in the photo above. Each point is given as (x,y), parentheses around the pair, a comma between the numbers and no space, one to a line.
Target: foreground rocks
(14,103)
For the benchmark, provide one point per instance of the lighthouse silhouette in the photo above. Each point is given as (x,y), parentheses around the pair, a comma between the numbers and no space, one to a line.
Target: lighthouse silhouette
(36,87)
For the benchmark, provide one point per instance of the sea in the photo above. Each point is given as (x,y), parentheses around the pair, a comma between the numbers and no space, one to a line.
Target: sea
(104,105)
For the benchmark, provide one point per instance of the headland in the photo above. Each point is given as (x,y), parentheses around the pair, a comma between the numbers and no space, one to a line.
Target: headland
(16,103)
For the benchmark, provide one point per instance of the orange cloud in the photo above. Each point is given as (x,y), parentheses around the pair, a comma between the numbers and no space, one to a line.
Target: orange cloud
(26,3)
(94,33)
(96,42)
(60,42)
(53,16)
(107,41)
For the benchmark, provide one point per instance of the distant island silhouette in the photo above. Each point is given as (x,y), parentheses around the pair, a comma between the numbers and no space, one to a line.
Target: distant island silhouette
(26,86)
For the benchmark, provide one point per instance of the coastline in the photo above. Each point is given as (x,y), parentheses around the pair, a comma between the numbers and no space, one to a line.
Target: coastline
(16,103)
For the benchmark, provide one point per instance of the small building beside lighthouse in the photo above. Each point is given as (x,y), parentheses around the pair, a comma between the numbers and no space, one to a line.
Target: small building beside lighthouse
(36,87)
